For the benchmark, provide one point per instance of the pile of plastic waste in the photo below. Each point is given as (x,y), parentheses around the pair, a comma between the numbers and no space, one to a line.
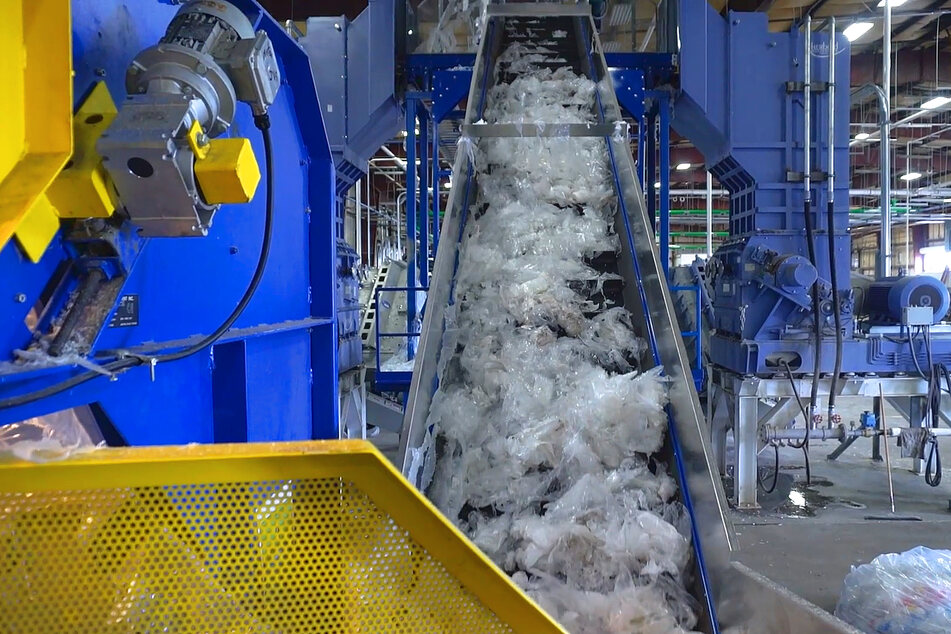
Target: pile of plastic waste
(545,427)
(900,593)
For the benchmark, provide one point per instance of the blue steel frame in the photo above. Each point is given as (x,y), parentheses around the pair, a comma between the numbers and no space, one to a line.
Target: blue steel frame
(273,376)
(444,80)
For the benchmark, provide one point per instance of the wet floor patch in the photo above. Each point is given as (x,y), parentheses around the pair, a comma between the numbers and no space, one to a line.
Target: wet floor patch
(793,497)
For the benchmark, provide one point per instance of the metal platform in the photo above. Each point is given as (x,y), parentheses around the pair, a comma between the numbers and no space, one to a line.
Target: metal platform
(756,406)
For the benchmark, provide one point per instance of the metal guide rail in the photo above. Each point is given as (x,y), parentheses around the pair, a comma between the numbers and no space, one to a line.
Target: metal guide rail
(729,593)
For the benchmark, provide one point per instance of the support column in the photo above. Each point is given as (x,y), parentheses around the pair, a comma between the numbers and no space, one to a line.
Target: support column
(650,173)
(412,277)
(424,172)
(745,434)
(665,184)
(436,194)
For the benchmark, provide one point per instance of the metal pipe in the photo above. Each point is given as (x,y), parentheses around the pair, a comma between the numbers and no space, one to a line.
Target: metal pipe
(807,115)
(885,156)
(399,218)
(399,161)
(358,230)
(908,265)
(839,433)
(709,214)
(369,236)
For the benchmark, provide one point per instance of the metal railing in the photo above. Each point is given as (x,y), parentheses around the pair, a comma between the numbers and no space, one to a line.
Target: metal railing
(394,380)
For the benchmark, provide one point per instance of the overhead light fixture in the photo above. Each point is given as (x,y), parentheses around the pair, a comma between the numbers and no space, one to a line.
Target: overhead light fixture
(935,102)
(911,176)
(946,200)
(447,185)
(657,185)
(410,32)
(856,30)
(895,3)
(683,166)
(861,136)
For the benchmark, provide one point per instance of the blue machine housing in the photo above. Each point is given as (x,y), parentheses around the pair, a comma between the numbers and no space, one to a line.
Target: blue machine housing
(749,127)
(354,65)
(273,376)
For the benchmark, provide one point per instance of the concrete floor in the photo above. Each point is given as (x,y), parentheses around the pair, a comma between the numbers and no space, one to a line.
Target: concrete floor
(808,537)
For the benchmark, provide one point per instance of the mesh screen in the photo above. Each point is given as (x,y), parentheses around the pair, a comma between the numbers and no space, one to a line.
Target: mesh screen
(273,556)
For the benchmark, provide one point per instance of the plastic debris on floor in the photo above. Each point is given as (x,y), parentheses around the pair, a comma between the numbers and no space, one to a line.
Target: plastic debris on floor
(899,593)
(545,427)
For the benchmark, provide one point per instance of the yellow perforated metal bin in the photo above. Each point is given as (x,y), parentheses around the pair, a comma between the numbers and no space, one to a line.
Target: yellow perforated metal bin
(289,537)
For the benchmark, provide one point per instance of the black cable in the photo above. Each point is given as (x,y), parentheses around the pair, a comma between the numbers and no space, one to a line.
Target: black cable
(759,476)
(125,363)
(933,465)
(836,310)
(804,445)
(938,371)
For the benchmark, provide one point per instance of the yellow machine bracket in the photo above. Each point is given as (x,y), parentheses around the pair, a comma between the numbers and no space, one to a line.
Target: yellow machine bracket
(226,169)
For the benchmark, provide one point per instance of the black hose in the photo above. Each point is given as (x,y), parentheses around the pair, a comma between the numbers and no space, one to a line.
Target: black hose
(817,318)
(938,372)
(125,363)
(836,310)
(933,465)
(804,444)
(759,476)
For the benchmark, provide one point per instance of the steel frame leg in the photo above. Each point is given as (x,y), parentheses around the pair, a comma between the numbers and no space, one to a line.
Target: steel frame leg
(745,433)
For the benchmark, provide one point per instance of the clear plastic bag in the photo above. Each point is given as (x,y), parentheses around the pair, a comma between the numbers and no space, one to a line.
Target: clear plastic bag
(900,593)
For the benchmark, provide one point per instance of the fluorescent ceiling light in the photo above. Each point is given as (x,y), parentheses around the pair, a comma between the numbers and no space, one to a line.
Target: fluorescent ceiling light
(911,176)
(895,3)
(856,30)
(946,200)
(683,166)
(861,136)
(936,102)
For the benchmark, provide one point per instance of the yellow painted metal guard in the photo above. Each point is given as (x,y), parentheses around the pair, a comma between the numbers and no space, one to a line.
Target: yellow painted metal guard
(36,126)
(83,189)
(286,537)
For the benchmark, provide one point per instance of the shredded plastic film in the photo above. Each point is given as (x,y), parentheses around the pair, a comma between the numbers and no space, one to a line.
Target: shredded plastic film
(899,593)
(544,426)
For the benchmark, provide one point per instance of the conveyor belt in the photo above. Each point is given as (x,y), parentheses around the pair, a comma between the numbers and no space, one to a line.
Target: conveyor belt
(645,295)
(644,292)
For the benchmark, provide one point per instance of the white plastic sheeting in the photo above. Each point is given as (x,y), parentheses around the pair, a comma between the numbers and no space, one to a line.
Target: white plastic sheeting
(543,426)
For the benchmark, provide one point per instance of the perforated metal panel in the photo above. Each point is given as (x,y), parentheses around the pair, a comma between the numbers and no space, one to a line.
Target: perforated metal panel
(333,540)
